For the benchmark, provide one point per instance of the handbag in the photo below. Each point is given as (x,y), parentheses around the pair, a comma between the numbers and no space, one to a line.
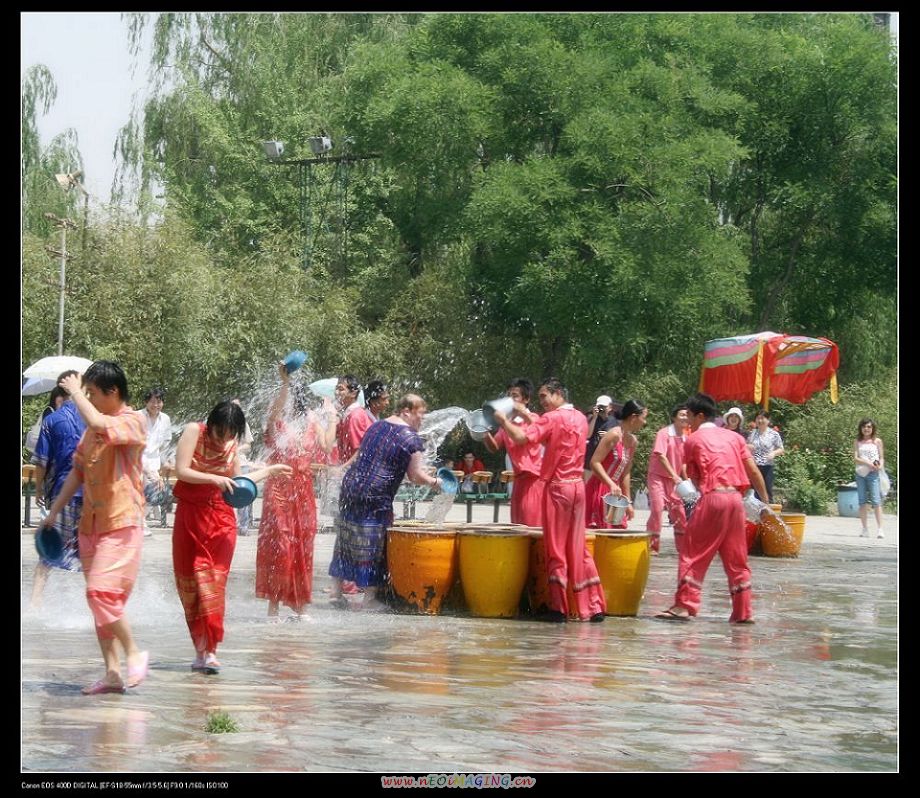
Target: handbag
(884,483)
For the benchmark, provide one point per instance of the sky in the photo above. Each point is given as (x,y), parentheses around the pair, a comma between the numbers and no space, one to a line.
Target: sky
(88,56)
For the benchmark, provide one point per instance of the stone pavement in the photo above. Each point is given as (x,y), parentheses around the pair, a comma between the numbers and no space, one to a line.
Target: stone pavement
(811,687)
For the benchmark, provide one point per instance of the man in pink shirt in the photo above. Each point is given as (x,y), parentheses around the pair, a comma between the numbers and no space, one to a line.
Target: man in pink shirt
(563,431)
(721,467)
(526,458)
(354,421)
(665,470)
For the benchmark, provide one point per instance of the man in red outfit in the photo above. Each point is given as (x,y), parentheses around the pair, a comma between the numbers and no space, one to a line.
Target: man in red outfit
(527,495)
(563,431)
(721,467)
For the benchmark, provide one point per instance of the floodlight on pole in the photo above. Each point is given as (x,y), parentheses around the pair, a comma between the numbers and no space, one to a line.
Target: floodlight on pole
(320,147)
(273,149)
(320,144)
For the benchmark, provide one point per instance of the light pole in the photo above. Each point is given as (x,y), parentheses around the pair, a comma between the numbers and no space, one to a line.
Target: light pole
(63,224)
(69,181)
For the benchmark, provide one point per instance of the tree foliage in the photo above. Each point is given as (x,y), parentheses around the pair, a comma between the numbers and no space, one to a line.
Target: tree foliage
(592,196)
(40,192)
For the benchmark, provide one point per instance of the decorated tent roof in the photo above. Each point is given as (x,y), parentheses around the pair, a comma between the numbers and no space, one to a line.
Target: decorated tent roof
(758,367)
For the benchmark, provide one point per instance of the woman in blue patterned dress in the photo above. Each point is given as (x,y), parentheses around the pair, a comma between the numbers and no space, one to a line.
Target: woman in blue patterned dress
(390,450)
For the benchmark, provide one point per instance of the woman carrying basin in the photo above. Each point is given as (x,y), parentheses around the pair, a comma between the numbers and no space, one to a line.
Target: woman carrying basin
(390,450)
(204,534)
(611,466)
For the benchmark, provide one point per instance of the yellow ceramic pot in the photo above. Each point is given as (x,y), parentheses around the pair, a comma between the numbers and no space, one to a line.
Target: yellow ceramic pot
(493,570)
(422,565)
(777,541)
(537,583)
(622,560)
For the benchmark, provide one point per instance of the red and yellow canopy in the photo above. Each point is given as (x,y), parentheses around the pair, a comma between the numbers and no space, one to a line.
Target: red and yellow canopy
(756,368)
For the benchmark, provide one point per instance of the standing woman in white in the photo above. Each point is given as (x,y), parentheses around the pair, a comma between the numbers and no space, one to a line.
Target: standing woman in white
(869,454)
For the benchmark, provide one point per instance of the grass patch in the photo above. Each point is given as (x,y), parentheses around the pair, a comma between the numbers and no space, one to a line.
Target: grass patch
(220,722)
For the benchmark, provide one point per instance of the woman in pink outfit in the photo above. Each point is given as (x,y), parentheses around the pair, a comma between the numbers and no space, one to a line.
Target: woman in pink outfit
(284,558)
(611,465)
(665,471)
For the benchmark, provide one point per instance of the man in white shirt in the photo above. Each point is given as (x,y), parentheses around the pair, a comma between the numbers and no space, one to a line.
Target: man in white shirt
(156,490)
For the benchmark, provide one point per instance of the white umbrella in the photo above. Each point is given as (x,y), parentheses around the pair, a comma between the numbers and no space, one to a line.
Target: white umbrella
(42,375)
(36,385)
(326,387)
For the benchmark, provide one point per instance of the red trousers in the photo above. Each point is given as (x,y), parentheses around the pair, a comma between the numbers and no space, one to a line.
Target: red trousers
(527,500)
(567,559)
(204,538)
(661,496)
(717,525)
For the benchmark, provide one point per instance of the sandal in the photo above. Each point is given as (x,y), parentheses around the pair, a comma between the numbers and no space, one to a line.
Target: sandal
(102,686)
(670,615)
(137,673)
(211,665)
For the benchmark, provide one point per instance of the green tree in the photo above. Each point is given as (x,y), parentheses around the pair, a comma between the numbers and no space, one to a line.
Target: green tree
(40,192)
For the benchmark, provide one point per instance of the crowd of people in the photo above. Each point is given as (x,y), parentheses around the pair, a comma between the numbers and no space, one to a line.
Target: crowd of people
(101,467)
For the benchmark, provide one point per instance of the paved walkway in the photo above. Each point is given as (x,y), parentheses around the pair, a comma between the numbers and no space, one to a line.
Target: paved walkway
(813,686)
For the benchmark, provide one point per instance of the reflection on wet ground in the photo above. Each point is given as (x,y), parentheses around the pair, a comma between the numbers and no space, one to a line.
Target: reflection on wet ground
(811,687)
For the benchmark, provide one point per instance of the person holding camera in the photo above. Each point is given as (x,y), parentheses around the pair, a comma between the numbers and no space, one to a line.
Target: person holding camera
(601,419)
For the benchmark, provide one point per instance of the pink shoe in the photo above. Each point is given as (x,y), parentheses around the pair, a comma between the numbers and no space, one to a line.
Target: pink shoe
(350,589)
(137,673)
(102,686)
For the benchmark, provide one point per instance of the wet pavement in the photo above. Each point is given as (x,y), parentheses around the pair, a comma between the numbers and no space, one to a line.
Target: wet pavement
(811,687)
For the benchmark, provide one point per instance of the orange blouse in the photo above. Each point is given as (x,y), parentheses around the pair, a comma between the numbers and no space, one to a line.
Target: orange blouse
(109,464)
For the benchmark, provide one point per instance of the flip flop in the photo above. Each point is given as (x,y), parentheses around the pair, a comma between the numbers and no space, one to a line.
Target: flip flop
(208,665)
(746,621)
(102,686)
(211,665)
(670,615)
(137,673)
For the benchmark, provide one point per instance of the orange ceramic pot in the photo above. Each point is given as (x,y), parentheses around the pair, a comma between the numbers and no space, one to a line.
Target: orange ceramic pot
(778,541)
(423,565)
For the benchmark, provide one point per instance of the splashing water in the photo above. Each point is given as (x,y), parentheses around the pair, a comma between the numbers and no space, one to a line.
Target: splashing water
(439,509)
(436,426)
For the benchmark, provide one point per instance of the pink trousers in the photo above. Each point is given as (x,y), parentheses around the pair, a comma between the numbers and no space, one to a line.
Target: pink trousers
(110,563)
(717,525)
(661,496)
(567,559)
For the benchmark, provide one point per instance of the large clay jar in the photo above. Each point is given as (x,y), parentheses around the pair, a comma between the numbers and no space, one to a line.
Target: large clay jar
(780,541)
(622,560)
(423,565)
(493,570)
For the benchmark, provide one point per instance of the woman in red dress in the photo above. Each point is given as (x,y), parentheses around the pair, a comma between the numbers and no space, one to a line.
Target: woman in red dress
(611,466)
(284,558)
(204,534)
